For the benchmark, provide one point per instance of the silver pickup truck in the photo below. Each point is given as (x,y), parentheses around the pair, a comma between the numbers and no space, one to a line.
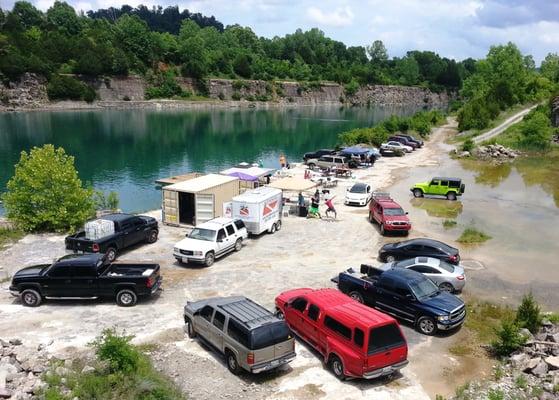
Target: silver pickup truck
(249,336)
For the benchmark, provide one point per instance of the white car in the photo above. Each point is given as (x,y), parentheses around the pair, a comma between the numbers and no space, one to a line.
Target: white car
(358,195)
(397,145)
(211,240)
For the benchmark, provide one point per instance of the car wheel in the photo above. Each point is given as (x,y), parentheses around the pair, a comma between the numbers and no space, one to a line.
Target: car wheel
(446,287)
(390,258)
(371,219)
(356,296)
(279,314)
(232,363)
(238,244)
(311,166)
(31,298)
(126,298)
(111,254)
(210,258)
(190,330)
(272,229)
(278,225)
(382,231)
(152,236)
(451,196)
(426,325)
(337,367)
(418,193)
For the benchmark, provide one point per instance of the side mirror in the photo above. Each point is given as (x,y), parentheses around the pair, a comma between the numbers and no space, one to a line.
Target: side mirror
(220,240)
(410,297)
(287,304)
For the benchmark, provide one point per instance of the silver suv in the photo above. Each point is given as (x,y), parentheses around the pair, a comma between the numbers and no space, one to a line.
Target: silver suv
(328,162)
(249,336)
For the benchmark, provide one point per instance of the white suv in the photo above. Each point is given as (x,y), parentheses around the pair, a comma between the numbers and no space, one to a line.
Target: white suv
(211,240)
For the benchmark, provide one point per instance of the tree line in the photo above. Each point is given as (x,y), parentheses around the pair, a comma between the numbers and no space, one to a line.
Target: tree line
(141,40)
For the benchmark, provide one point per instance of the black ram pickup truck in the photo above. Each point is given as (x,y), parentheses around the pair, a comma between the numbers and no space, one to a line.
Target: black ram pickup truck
(86,276)
(128,231)
(405,294)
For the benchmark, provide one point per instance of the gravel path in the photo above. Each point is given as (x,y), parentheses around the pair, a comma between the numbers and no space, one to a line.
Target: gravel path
(501,128)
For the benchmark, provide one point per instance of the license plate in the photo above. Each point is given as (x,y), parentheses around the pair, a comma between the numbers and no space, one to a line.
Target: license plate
(274,363)
(185,260)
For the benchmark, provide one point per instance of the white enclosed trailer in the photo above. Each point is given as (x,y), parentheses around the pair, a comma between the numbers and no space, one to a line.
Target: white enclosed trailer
(259,209)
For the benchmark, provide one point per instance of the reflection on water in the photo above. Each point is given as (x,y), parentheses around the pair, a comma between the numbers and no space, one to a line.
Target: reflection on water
(127,150)
(515,203)
(438,208)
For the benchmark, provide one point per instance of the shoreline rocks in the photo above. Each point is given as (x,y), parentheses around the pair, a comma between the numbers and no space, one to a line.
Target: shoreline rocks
(494,152)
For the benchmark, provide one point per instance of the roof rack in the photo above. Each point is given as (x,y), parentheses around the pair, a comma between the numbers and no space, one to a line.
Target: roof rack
(381,195)
(248,312)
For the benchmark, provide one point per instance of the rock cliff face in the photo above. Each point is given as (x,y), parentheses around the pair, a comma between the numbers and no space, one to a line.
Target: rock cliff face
(555,111)
(30,92)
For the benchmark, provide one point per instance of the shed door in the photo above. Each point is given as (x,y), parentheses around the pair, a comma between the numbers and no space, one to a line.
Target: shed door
(170,207)
(204,208)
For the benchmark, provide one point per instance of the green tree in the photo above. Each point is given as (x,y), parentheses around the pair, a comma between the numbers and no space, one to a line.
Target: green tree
(550,67)
(27,14)
(63,16)
(45,193)
(528,314)
(377,52)
(407,71)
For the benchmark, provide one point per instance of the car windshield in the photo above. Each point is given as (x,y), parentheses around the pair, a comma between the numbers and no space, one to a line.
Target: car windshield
(405,263)
(358,189)
(202,234)
(423,288)
(394,211)
(446,266)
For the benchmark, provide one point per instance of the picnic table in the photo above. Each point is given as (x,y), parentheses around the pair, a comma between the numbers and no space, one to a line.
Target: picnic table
(343,172)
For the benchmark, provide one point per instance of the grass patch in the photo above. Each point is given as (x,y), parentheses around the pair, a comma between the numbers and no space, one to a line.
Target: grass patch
(521,382)
(460,349)
(449,223)
(10,235)
(552,317)
(495,394)
(472,235)
(483,318)
(121,372)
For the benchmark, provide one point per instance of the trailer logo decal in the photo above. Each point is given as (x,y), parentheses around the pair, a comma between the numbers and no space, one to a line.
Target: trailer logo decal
(270,207)
(244,211)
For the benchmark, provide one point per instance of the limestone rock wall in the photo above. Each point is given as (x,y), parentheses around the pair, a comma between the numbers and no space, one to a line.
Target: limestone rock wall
(30,92)
(555,111)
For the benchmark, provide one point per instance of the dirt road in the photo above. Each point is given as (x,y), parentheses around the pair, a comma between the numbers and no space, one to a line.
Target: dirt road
(305,253)
(490,134)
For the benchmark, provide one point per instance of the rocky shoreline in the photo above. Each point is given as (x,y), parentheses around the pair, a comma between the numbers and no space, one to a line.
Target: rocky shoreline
(530,373)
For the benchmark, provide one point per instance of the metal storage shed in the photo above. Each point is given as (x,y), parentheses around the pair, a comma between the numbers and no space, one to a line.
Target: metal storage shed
(198,200)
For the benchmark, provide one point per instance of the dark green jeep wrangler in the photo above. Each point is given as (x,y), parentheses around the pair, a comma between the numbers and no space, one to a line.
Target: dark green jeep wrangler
(448,187)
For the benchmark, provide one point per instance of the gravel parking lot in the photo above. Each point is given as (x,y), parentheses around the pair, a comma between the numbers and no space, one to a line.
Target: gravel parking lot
(305,253)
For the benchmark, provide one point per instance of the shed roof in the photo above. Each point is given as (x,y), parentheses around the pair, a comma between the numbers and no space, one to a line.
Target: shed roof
(201,183)
(294,184)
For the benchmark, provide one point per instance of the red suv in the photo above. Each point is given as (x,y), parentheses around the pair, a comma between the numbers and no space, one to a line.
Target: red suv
(388,214)
(355,340)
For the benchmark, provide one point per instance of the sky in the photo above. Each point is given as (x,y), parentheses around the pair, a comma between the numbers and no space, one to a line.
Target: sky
(452,28)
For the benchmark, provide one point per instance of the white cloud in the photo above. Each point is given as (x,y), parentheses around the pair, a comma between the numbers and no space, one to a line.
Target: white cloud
(340,17)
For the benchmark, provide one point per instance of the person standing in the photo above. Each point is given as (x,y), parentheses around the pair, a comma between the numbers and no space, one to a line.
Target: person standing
(282,160)
(330,206)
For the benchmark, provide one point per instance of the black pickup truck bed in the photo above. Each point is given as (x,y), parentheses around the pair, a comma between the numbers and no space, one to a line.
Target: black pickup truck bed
(128,231)
(86,276)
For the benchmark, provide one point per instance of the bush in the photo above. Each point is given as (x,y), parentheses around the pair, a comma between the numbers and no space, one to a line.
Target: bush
(162,85)
(221,96)
(236,96)
(468,145)
(117,351)
(536,130)
(45,193)
(351,88)
(508,339)
(64,87)
(109,202)
(528,314)
(473,115)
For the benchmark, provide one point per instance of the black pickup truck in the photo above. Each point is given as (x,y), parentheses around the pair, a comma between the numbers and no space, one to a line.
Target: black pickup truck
(86,276)
(407,295)
(128,231)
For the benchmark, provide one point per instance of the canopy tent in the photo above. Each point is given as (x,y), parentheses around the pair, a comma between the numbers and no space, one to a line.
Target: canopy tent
(293,184)
(243,177)
(357,150)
